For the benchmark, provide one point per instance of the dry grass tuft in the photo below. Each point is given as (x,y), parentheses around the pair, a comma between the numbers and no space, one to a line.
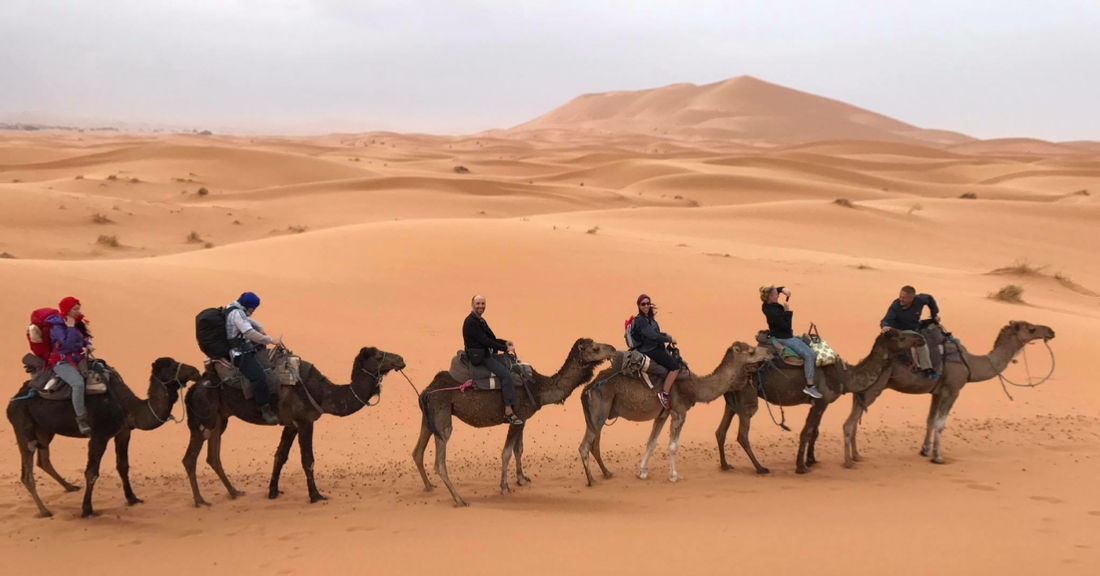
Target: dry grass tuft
(969,196)
(1012,293)
(297,229)
(461,170)
(98,218)
(194,238)
(844,202)
(108,240)
(593,230)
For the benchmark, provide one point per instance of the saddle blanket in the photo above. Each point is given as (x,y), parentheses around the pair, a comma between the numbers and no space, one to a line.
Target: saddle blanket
(482,378)
(638,365)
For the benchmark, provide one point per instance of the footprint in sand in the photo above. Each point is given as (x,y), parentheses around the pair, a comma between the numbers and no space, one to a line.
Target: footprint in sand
(1094,513)
(981,487)
(1047,499)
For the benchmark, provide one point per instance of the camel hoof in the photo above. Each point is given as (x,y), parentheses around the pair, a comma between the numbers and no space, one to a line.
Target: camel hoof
(504,490)
(522,480)
(315,498)
(925,452)
(850,464)
(45,514)
(643,475)
(72,488)
(462,504)
(675,478)
(857,458)
(608,475)
(201,503)
(810,463)
(937,460)
(429,487)
(89,514)
(134,501)
(727,468)
(763,471)
(801,470)
(273,494)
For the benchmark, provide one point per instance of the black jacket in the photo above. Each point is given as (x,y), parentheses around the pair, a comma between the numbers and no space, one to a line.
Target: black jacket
(909,318)
(779,320)
(476,335)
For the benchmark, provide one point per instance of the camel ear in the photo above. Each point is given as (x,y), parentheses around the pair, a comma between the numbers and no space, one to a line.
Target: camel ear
(736,347)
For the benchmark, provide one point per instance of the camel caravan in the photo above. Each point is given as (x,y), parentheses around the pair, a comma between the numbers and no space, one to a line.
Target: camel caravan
(255,378)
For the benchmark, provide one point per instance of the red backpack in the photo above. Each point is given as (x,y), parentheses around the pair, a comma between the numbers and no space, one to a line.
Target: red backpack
(38,333)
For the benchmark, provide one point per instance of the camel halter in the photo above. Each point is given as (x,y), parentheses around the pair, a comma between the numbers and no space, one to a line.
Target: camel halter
(164,384)
(378,382)
(1023,345)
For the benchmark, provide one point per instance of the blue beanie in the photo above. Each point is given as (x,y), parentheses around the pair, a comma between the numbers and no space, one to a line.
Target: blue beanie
(249,300)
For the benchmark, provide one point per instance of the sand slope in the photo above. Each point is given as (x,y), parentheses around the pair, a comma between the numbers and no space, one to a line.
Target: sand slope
(375,239)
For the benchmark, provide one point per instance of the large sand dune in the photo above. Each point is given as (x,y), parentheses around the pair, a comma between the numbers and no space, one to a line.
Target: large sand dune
(376,239)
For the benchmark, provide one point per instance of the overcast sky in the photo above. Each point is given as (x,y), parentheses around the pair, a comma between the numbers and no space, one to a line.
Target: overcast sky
(986,68)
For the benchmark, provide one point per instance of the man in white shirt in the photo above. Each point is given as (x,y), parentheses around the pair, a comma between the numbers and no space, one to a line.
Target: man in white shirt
(247,337)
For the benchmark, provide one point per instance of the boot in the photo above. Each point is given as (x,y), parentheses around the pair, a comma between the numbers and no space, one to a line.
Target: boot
(82,424)
(268,415)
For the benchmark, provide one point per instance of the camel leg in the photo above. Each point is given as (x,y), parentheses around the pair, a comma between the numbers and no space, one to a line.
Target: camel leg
(506,456)
(658,424)
(933,409)
(214,458)
(590,444)
(812,421)
(811,460)
(191,459)
(850,427)
(26,452)
(96,447)
(720,434)
(941,420)
(44,439)
(441,463)
(305,446)
(122,462)
(418,455)
(674,444)
(521,479)
(281,455)
(744,421)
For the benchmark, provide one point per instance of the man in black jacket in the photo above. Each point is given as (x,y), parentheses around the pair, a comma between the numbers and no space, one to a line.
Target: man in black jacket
(904,314)
(480,344)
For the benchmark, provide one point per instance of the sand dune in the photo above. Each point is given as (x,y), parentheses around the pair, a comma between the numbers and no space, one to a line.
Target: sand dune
(374,239)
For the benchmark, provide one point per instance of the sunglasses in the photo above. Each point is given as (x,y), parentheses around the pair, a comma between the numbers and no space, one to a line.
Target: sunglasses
(646,304)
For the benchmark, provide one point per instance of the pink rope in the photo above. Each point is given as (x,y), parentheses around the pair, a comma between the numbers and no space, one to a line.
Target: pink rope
(464,387)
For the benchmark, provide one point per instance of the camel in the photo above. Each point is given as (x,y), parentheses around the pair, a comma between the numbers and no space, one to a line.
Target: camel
(783,387)
(1011,339)
(112,415)
(209,407)
(615,395)
(482,409)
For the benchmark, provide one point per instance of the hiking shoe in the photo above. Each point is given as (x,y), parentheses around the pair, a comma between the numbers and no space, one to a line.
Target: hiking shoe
(82,424)
(931,374)
(268,415)
(811,391)
(666,402)
(513,419)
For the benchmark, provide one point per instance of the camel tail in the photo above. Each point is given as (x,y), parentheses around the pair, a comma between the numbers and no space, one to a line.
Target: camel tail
(423,402)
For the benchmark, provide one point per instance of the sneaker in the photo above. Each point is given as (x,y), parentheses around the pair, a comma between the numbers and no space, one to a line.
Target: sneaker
(82,424)
(811,391)
(931,374)
(268,415)
(513,419)
(666,403)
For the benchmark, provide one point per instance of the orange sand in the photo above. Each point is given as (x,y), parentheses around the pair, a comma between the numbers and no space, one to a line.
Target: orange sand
(377,230)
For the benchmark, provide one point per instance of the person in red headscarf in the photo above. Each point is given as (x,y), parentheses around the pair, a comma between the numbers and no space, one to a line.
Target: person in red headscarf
(69,347)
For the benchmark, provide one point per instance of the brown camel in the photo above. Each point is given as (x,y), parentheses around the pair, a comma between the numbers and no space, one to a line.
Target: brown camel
(112,415)
(1011,339)
(783,387)
(615,395)
(209,407)
(482,409)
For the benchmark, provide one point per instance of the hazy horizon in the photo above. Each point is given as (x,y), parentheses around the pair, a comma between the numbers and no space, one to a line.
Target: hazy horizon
(987,69)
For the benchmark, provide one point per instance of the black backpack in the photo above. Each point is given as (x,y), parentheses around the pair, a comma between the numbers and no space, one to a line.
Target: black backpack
(211,333)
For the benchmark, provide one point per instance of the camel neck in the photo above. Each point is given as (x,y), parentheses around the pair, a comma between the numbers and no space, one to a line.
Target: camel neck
(987,367)
(722,380)
(557,388)
(151,413)
(864,374)
(346,400)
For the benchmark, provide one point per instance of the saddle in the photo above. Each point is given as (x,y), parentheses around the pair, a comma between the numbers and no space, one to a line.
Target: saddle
(638,365)
(942,347)
(50,386)
(482,378)
(782,355)
(281,368)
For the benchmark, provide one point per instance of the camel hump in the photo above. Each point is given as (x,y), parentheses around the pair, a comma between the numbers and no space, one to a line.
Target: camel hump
(50,386)
(635,364)
(483,379)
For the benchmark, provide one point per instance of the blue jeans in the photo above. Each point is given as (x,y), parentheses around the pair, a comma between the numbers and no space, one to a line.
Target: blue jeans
(809,359)
(507,383)
(75,380)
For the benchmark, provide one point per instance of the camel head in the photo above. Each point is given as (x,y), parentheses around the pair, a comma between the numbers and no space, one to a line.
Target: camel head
(1028,332)
(377,362)
(748,356)
(589,351)
(174,375)
(896,341)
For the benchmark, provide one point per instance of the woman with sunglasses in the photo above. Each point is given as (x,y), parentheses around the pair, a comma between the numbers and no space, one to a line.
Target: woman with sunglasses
(651,342)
